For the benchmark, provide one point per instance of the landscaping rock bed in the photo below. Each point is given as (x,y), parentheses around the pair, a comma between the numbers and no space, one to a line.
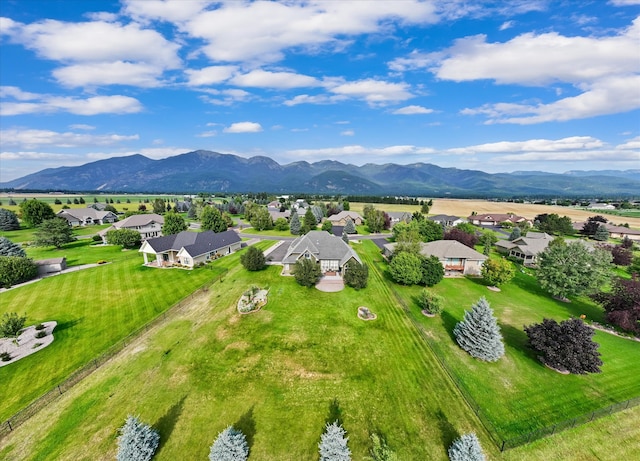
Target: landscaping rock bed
(365,314)
(252,300)
(27,343)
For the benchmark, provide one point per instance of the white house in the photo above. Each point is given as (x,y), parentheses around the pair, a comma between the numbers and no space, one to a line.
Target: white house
(149,225)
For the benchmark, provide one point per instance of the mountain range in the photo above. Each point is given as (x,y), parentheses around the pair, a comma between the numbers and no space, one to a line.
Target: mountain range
(213,172)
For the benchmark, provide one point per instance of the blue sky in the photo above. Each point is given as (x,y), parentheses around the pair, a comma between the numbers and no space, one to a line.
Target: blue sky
(493,86)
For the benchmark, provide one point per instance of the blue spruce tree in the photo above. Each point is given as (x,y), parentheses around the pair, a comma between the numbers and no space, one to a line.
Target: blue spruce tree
(479,333)
(230,445)
(137,442)
(333,444)
(466,448)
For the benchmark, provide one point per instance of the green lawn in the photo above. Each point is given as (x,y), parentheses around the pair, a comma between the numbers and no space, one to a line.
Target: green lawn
(517,393)
(274,374)
(94,308)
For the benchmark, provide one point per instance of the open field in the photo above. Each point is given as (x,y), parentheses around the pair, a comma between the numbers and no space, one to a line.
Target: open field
(94,308)
(209,367)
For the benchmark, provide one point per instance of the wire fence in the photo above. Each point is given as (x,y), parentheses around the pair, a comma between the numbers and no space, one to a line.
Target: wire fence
(502,443)
(54,393)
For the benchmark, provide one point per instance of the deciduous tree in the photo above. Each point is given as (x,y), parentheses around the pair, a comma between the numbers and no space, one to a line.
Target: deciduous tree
(261,219)
(173,224)
(159,207)
(571,269)
(469,240)
(127,238)
(327,226)
(211,219)
(33,212)
(53,232)
(406,268)
(497,271)
(479,334)
(432,270)
(565,346)
(590,227)
(622,303)
(430,302)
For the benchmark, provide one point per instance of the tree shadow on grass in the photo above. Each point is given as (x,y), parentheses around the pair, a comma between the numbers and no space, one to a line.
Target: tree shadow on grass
(518,339)
(448,433)
(449,322)
(335,413)
(61,326)
(247,425)
(167,422)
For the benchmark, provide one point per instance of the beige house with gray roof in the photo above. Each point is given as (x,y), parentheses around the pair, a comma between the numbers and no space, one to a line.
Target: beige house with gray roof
(526,248)
(331,252)
(149,225)
(456,258)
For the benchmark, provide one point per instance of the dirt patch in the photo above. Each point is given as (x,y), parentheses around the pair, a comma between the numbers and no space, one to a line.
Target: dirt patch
(496,289)
(426,313)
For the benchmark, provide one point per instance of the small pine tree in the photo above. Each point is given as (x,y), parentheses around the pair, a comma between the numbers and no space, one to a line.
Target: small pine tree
(294,223)
(380,451)
(8,248)
(345,237)
(430,302)
(327,226)
(356,275)
(333,444)
(8,220)
(137,441)
(479,333)
(349,226)
(466,448)
(307,272)
(253,259)
(230,445)
(602,234)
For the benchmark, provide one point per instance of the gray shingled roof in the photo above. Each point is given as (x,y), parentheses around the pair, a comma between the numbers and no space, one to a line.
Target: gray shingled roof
(344,215)
(82,213)
(194,243)
(446,249)
(139,220)
(322,245)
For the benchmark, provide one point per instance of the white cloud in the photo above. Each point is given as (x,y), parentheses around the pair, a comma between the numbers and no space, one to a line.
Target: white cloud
(538,145)
(265,79)
(47,104)
(243,127)
(608,96)
(210,75)
(631,144)
(101,16)
(172,11)
(347,133)
(99,52)
(16,93)
(506,25)
(30,138)
(358,154)
(23,155)
(225,97)
(574,156)
(625,2)
(207,134)
(313,99)
(150,152)
(412,110)
(82,126)
(374,92)
(263,31)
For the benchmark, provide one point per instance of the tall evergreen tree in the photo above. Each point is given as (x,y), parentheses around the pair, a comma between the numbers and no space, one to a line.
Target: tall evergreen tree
(310,222)
(432,270)
(602,234)
(466,448)
(349,226)
(333,444)
(479,334)
(253,259)
(230,445)
(345,237)
(516,233)
(137,442)
(294,223)
(356,275)
(8,248)
(8,220)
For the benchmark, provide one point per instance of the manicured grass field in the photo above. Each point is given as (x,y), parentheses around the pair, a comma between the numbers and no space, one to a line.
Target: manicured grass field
(517,393)
(274,374)
(94,308)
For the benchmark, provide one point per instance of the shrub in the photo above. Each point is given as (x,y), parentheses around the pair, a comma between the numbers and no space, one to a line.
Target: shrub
(41,334)
(101,261)
(253,259)
(5,356)
(567,346)
(40,327)
(430,301)
(14,270)
(11,324)
(128,238)
(137,441)
(466,448)
(356,275)
(230,445)
(96,238)
(380,451)
(479,333)
(307,272)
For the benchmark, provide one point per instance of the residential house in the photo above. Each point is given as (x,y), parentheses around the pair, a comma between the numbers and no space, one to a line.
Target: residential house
(399,216)
(456,258)
(276,213)
(600,206)
(327,250)
(526,248)
(189,248)
(498,219)
(340,219)
(149,225)
(87,216)
(617,232)
(97,206)
(446,220)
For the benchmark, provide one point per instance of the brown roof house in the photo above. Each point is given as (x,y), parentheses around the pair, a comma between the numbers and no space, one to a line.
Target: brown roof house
(526,248)
(497,219)
(456,258)
(149,225)
(189,248)
(331,252)
(340,219)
